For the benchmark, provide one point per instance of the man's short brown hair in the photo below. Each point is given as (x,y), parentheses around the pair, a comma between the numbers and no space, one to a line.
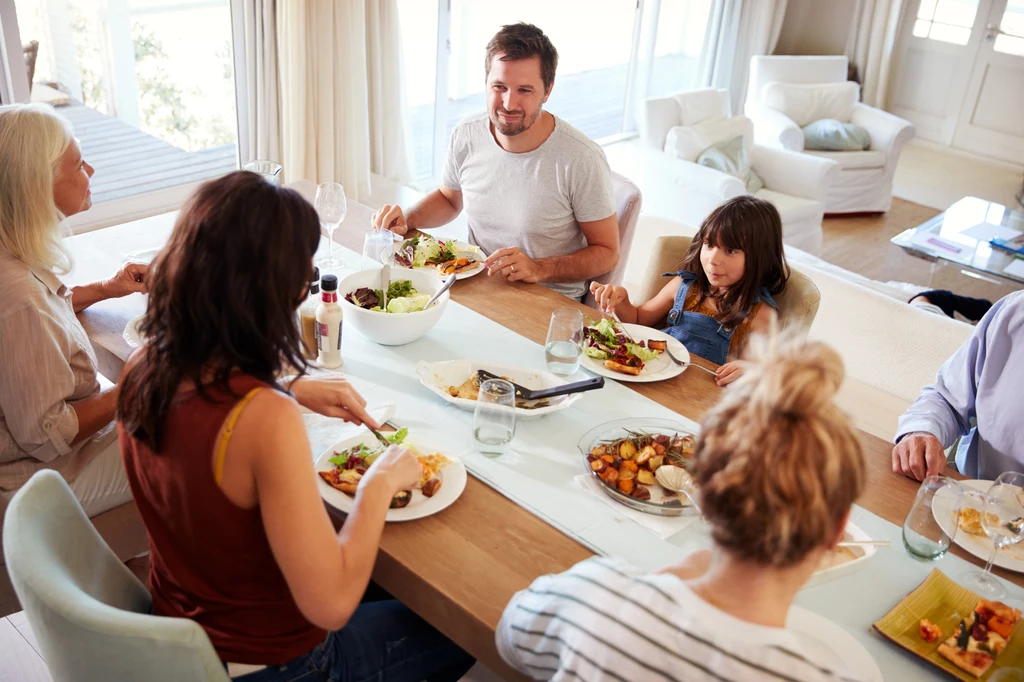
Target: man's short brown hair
(523,41)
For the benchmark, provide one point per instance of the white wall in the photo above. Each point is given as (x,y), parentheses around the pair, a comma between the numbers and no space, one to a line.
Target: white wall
(813,27)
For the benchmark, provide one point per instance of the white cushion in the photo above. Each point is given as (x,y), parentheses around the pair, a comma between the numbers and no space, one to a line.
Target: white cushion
(687,142)
(702,105)
(851,160)
(790,208)
(808,102)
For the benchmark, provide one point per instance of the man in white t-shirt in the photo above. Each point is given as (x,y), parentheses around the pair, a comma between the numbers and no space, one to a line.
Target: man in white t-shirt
(537,192)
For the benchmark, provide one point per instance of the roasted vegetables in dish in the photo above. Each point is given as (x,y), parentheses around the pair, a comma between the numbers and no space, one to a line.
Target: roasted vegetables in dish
(628,464)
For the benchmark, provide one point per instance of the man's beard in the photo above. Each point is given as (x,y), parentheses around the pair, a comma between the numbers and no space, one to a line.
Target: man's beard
(514,129)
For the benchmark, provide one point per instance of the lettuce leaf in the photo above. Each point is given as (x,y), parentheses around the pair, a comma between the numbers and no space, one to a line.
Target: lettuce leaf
(364,298)
(408,304)
(645,354)
(400,288)
(398,437)
(596,353)
(426,249)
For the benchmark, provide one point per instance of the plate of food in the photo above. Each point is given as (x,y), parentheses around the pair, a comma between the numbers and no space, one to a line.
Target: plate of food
(954,629)
(969,532)
(625,456)
(341,468)
(132,335)
(443,256)
(456,382)
(608,351)
(844,560)
(830,646)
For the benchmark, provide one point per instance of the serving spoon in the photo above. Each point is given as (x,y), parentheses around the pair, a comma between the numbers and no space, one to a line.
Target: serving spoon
(444,287)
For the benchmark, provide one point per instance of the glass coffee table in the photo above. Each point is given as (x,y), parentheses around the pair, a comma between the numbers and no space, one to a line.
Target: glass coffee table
(960,236)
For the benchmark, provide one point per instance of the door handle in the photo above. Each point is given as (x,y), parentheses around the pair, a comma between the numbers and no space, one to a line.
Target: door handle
(992,30)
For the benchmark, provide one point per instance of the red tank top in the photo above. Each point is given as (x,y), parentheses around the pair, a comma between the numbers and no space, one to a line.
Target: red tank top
(210,560)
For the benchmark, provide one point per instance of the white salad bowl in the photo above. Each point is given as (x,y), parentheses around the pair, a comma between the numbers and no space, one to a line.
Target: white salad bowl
(392,329)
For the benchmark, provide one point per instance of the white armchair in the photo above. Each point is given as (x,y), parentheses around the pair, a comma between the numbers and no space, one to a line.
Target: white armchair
(675,187)
(863,182)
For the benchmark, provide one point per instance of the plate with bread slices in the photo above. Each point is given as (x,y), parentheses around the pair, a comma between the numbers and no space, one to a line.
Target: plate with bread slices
(441,256)
(631,352)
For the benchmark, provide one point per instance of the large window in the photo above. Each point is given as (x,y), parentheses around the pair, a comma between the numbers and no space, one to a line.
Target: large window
(612,55)
(147,84)
(948,21)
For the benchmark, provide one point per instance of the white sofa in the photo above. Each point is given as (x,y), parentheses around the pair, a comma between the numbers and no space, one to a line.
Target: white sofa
(795,183)
(884,343)
(863,183)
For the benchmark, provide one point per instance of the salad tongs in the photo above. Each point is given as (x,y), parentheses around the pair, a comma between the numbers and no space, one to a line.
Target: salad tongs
(531,394)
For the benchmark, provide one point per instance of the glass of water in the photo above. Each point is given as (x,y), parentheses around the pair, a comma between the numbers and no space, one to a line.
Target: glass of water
(924,536)
(1002,518)
(378,248)
(494,422)
(564,346)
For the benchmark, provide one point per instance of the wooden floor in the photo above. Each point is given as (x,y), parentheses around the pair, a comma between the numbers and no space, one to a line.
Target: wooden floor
(129,161)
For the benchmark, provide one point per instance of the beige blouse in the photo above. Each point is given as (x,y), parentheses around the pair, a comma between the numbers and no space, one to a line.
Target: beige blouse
(46,362)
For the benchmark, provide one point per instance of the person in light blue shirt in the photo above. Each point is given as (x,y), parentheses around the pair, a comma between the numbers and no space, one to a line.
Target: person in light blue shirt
(978,394)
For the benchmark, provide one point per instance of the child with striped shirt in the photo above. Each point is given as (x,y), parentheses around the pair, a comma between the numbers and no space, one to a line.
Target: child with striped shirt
(778,467)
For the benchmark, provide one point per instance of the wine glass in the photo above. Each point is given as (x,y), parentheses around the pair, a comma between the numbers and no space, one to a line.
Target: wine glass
(331,206)
(1002,518)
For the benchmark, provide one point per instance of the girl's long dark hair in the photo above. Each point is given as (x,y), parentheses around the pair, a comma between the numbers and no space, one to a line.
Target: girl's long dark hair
(753,226)
(222,296)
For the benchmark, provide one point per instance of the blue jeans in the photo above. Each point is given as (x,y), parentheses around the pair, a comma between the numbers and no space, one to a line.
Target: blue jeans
(383,642)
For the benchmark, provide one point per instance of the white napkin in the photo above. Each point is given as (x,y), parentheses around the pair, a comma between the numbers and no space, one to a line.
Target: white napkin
(662,526)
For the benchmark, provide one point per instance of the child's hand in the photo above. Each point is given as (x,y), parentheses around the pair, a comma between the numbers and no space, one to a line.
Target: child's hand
(608,296)
(730,372)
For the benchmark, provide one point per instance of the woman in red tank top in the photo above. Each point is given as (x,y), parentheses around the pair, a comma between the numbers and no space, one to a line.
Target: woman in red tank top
(219,462)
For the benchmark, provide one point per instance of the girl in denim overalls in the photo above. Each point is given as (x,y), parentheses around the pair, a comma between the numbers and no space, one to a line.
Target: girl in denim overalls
(723,290)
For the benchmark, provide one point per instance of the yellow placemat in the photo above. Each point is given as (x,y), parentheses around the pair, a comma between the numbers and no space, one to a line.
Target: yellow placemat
(944,603)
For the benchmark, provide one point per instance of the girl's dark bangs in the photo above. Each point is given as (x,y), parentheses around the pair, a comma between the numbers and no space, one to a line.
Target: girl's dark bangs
(724,233)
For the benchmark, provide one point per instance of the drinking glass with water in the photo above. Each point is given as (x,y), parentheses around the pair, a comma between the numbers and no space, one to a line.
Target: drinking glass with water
(924,536)
(564,346)
(378,248)
(494,422)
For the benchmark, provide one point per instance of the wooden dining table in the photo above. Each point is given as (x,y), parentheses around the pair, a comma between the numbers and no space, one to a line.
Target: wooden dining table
(459,568)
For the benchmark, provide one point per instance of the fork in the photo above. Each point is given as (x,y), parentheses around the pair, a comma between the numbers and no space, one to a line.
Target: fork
(379,436)
(625,331)
(684,365)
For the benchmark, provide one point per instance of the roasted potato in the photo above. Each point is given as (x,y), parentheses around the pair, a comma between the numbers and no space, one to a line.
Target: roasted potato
(431,487)
(645,455)
(662,439)
(608,458)
(599,450)
(626,474)
(599,465)
(401,499)
(626,486)
(645,477)
(629,465)
(641,493)
(654,462)
(627,450)
(610,476)
(659,448)
(617,462)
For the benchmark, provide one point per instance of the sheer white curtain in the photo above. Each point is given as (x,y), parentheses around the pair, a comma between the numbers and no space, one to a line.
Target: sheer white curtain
(871,46)
(259,25)
(341,95)
(737,31)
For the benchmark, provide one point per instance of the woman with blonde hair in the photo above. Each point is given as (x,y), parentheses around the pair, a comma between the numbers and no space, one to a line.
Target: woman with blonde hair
(778,467)
(53,413)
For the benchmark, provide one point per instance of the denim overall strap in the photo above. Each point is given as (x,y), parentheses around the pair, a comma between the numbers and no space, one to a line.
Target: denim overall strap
(701,334)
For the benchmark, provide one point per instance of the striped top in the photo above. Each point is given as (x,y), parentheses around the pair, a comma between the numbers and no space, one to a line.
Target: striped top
(603,620)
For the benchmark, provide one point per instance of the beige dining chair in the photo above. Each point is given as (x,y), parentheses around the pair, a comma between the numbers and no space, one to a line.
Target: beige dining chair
(89,613)
(798,304)
(627,212)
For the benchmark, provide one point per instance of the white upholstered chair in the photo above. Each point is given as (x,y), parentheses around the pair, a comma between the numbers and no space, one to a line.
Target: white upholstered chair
(627,211)
(863,183)
(89,613)
(795,183)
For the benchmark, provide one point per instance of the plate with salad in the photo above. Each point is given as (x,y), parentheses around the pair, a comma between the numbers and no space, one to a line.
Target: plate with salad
(608,351)
(342,467)
(402,298)
(442,256)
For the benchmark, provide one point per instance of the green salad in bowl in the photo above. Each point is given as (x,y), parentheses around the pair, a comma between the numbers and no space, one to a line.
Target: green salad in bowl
(402,298)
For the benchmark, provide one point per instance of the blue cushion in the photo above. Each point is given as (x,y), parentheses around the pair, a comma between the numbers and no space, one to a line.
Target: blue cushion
(830,135)
(731,157)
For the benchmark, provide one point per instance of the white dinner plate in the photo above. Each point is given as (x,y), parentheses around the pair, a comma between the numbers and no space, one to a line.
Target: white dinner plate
(453,482)
(658,369)
(1011,558)
(863,553)
(460,247)
(829,645)
(440,376)
(131,332)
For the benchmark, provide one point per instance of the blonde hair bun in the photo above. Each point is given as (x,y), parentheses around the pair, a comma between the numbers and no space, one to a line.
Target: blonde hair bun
(794,380)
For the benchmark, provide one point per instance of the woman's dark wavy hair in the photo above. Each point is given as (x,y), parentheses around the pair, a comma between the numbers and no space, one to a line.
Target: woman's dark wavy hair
(222,296)
(753,226)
